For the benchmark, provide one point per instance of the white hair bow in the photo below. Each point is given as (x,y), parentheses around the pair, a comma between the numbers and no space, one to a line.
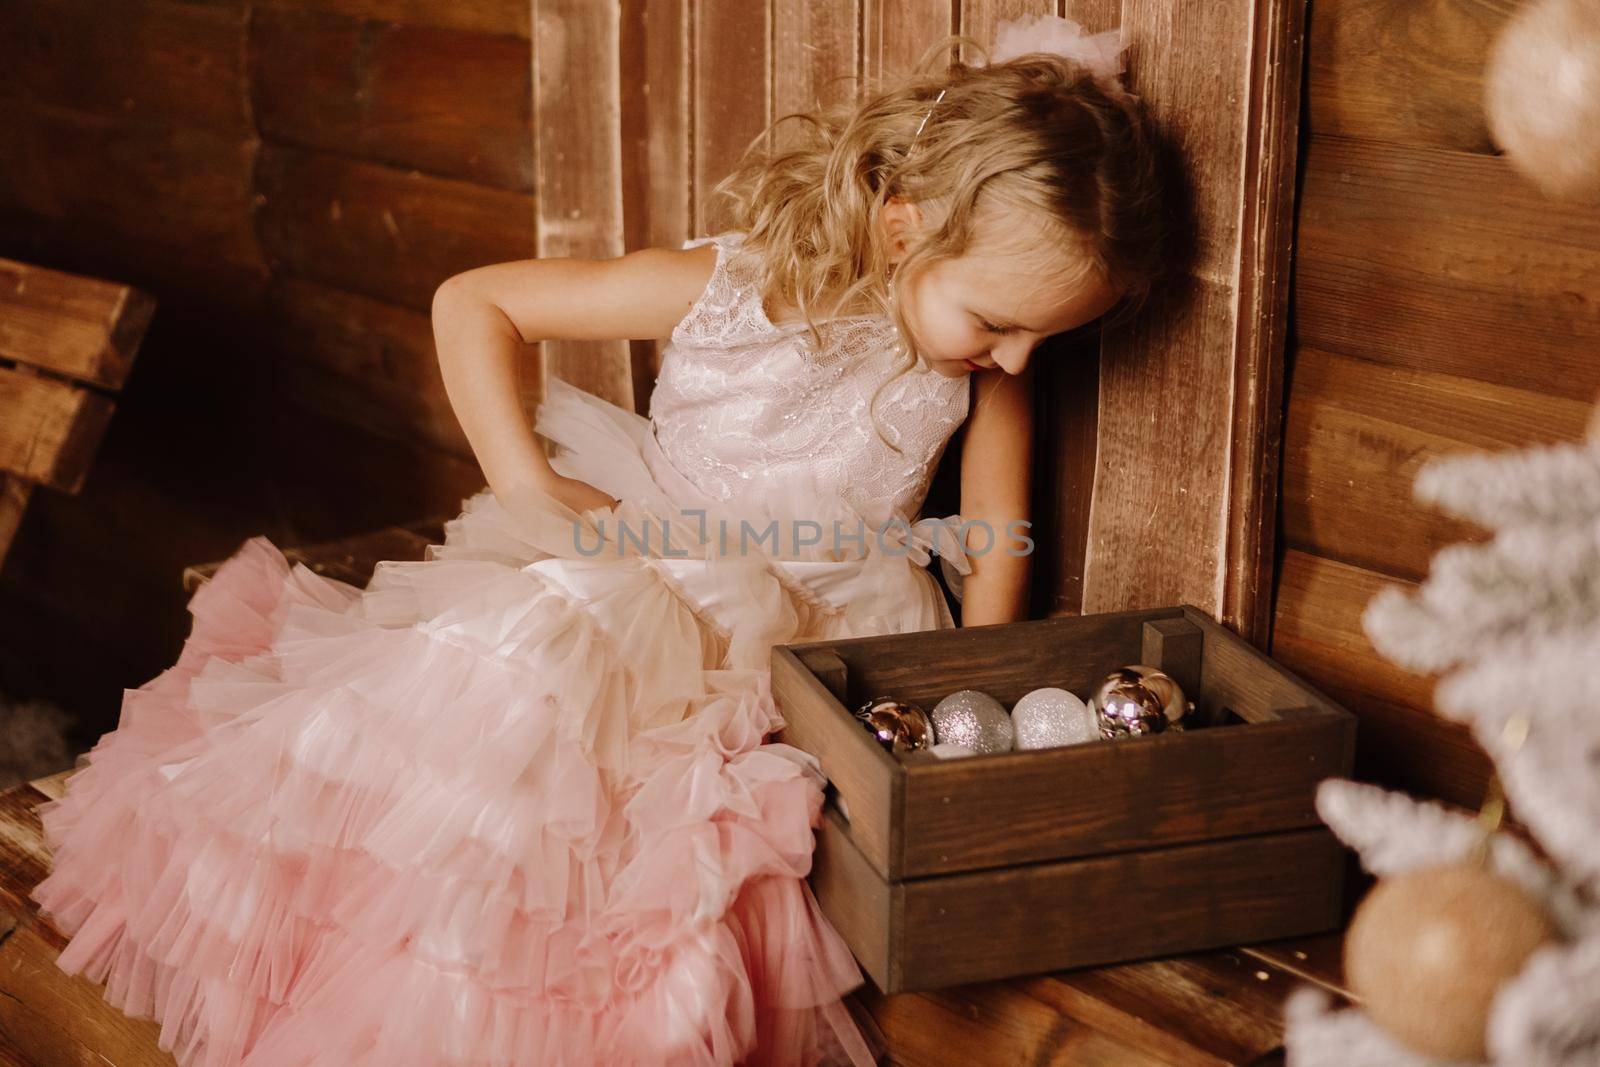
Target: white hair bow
(1101,52)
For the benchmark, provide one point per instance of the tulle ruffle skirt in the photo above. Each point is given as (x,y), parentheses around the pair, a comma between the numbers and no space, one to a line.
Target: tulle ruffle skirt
(512,805)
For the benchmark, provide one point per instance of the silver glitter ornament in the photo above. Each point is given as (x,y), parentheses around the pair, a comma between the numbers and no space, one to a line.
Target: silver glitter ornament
(1139,700)
(973,720)
(1050,717)
(898,726)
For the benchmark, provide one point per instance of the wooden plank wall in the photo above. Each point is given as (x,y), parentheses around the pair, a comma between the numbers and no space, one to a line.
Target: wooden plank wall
(1441,304)
(291,179)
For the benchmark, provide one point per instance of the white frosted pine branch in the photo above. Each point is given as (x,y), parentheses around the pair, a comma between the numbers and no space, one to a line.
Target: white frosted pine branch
(1525,586)
(1549,1015)
(1393,832)
(1546,485)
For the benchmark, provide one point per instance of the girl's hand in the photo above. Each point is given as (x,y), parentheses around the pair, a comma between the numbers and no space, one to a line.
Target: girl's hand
(578,495)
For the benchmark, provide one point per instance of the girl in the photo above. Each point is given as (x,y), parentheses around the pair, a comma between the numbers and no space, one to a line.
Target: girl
(514,804)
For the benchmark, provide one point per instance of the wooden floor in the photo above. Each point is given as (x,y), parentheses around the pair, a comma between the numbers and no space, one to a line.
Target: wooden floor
(1205,1009)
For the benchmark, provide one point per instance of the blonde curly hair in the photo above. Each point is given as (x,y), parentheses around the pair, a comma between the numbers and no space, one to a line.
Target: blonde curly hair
(1035,137)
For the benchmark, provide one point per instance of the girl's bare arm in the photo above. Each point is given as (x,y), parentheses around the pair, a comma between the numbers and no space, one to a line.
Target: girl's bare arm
(484,318)
(996,461)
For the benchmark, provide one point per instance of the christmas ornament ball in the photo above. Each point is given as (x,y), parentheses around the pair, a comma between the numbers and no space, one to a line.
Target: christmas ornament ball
(1428,949)
(1542,96)
(973,720)
(1136,700)
(898,726)
(1048,717)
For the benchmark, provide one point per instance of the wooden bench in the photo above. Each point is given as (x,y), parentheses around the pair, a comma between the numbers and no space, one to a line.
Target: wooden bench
(1210,1008)
(66,345)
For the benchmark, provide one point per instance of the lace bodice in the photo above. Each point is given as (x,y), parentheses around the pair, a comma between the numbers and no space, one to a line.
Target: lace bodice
(742,402)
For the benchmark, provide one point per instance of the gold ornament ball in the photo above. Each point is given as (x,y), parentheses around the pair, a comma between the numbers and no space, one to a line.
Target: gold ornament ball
(1428,949)
(1542,96)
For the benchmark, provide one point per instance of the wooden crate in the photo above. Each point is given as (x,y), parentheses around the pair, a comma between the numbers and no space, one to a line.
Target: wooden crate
(941,872)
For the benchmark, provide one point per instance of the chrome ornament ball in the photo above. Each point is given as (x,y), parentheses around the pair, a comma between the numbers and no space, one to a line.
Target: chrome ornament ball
(897,725)
(1138,700)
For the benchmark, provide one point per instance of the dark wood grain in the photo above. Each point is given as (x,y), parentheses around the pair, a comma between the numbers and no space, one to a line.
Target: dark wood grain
(1358,432)
(1079,800)
(389,234)
(1261,326)
(365,361)
(869,780)
(994,924)
(994,1023)
(864,910)
(1212,1008)
(131,61)
(83,328)
(14,494)
(1403,743)
(450,102)
(50,430)
(180,205)
(1409,73)
(480,16)
(1404,258)
(1157,527)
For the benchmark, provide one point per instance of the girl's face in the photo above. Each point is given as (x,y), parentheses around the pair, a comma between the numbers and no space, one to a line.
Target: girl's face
(978,312)
(974,313)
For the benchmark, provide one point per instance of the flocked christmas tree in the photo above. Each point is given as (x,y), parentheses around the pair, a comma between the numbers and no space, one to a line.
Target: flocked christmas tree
(1513,624)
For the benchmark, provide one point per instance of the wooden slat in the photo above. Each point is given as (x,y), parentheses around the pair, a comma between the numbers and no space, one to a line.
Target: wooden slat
(1157,522)
(1208,1009)
(732,96)
(1261,322)
(993,1023)
(578,145)
(51,1018)
(816,57)
(1399,741)
(1021,920)
(179,207)
(1318,959)
(481,16)
(83,328)
(50,429)
(365,362)
(133,60)
(895,33)
(14,493)
(1356,435)
(653,38)
(389,234)
(455,103)
(1447,262)
(1189,473)
(1405,72)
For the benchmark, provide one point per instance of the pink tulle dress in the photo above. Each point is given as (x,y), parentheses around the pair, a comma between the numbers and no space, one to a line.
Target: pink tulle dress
(517,804)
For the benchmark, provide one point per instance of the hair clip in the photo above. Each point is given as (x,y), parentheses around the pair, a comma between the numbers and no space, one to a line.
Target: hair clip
(926,115)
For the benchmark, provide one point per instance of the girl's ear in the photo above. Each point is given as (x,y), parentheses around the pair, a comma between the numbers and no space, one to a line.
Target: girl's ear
(898,218)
